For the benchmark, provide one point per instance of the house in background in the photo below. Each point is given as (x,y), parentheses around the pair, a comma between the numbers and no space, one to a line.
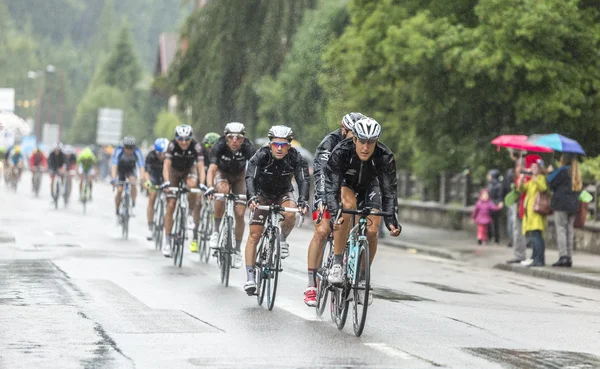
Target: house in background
(167,49)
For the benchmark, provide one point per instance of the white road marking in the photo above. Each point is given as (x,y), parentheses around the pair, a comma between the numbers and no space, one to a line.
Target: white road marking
(390,350)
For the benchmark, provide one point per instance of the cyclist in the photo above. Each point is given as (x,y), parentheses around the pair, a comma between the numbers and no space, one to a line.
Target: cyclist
(269,181)
(360,169)
(154,177)
(71,166)
(124,163)
(227,171)
(323,229)
(16,163)
(57,164)
(183,160)
(208,142)
(37,161)
(86,164)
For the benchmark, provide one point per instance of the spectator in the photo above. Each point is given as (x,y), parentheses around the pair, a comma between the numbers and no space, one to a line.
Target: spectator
(566,185)
(531,183)
(482,215)
(495,193)
(507,182)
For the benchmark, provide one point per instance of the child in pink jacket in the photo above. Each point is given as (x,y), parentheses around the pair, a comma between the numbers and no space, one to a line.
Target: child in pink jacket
(482,215)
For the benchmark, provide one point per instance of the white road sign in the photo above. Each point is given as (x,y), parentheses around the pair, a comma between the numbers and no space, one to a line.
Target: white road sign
(7,99)
(110,126)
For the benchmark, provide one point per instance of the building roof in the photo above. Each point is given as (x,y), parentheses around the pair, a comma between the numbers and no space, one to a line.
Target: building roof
(167,48)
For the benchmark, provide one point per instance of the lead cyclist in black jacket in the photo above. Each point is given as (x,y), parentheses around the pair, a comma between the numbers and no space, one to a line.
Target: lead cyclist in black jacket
(361,168)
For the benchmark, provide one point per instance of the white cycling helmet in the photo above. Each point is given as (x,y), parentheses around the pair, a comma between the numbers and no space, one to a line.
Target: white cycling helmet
(281,132)
(128,141)
(184,130)
(235,127)
(349,120)
(367,129)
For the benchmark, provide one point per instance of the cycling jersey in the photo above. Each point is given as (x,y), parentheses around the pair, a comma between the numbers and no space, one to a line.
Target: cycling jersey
(206,155)
(37,160)
(154,167)
(271,178)
(16,158)
(320,162)
(126,164)
(182,160)
(71,160)
(56,161)
(230,162)
(86,160)
(344,168)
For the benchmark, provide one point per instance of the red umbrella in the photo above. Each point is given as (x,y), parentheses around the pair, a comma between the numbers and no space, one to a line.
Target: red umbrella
(518,142)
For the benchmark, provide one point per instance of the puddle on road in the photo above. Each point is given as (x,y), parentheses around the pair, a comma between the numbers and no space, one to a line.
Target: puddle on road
(542,359)
(445,288)
(391,295)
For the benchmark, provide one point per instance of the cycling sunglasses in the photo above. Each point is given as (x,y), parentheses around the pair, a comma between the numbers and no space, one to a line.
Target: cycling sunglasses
(129,147)
(235,136)
(280,145)
(364,142)
(184,139)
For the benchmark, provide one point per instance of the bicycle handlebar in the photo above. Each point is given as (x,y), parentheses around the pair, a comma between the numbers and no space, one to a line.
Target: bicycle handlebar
(365,211)
(223,195)
(278,208)
(177,189)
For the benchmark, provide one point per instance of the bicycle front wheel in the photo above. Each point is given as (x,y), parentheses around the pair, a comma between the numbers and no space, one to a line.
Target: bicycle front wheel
(361,288)
(339,299)
(259,264)
(125,216)
(322,284)
(225,250)
(158,223)
(180,237)
(273,268)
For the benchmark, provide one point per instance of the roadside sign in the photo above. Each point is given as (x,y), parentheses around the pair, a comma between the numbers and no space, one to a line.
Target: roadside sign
(7,99)
(110,125)
(50,134)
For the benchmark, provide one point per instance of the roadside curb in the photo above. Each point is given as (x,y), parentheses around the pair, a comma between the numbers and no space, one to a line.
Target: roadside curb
(416,249)
(550,274)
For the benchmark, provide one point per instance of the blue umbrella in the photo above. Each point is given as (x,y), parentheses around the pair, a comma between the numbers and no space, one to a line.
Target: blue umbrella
(558,143)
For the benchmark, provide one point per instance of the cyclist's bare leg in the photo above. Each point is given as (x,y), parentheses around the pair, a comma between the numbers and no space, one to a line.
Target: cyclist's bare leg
(315,248)
(118,197)
(171,201)
(133,188)
(372,233)
(194,201)
(340,233)
(221,187)
(152,195)
(240,224)
(253,238)
(290,219)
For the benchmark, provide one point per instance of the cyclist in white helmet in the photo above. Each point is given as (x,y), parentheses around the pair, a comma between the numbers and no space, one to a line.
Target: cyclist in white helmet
(323,229)
(360,172)
(268,182)
(183,161)
(227,170)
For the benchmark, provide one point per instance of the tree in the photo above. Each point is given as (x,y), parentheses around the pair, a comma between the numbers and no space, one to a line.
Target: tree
(165,124)
(122,68)
(295,97)
(445,79)
(236,44)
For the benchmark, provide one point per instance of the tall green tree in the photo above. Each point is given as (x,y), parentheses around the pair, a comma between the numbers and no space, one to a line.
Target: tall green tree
(444,83)
(295,97)
(236,44)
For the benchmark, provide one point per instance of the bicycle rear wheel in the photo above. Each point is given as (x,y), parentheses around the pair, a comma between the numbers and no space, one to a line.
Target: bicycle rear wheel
(125,216)
(322,284)
(363,273)
(225,250)
(274,266)
(175,233)
(36,183)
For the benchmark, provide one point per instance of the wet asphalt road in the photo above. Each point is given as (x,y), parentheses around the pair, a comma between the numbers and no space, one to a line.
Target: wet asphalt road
(73,294)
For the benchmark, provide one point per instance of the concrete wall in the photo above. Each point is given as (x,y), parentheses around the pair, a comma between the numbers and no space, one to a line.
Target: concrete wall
(455,217)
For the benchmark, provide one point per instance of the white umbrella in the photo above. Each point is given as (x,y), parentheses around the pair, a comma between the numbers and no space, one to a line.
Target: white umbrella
(12,122)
